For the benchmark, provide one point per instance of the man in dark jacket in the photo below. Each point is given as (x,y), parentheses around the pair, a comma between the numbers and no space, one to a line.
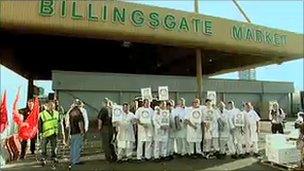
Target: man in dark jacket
(106,128)
(26,112)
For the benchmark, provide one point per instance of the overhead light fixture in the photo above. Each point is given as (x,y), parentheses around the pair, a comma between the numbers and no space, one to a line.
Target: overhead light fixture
(126,44)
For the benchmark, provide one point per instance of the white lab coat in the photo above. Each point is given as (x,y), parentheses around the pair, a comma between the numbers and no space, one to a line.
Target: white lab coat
(224,124)
(231,136)
(180,113)
(210,118)
(86,119)
(195,116)
(238,129)
(161,136)
(158,121)
(145,134)
(125,128)
(251,127)
(145,116)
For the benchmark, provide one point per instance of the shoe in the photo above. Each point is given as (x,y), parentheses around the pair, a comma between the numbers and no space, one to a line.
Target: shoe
(157,160)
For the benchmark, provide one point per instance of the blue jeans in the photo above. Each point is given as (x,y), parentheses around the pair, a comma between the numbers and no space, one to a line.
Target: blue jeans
(76,147)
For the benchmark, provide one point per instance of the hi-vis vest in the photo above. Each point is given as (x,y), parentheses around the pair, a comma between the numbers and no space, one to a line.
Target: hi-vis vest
(49,123)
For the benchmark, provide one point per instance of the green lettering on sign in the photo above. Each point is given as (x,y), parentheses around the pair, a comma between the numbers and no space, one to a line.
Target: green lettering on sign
(104,14)
(119,16)
(63,8)
(196,23)
(154,20)
(208,27)
(47,7)
(237,33)
(269,38)
(277,39)
(75,14)
(259,36)
(91,15)
(169,22)
(249,34)
(184,24)
(137,18)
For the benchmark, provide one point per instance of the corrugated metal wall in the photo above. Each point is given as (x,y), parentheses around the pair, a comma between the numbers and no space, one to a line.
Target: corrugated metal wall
(93,87)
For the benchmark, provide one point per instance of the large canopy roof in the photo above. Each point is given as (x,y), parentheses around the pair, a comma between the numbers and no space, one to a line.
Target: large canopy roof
(165,38)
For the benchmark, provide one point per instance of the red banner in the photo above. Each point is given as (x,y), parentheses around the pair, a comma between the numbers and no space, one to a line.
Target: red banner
(3,113)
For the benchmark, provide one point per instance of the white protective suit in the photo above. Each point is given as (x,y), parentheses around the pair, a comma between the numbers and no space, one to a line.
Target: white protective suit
(194,136)
(231,136)
(181,130)
(239,122)
(161,135)
(145,133)
(211,134)
(125,136)
(224,129)
(251,137)
(171,137)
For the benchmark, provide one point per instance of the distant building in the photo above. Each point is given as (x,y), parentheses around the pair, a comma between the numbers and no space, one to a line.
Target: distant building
(247,74)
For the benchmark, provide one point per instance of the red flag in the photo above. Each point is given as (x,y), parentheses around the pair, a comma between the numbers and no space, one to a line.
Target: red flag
(16,116)
(3,113)
(29,128)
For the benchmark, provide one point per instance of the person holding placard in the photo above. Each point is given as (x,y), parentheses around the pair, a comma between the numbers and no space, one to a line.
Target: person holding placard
(231,111)
(171,151)
(180,132)
(161,121)
(125,135)
(223,123)
(193,120)
(251,130)
(145,130)
(211,133)
(237,129)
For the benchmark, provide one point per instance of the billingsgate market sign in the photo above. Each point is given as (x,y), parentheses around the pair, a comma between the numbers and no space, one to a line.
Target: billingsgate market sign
(102,13)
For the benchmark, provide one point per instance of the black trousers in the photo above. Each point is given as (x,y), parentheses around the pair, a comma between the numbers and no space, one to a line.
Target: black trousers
(277,128)
(107,146)
(24,146)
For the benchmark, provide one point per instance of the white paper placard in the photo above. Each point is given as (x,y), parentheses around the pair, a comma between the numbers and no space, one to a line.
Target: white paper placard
(145,116)
(117,113)
(196,116)
(165,117)
(212,96)
(239,119)
(163,93)
(146,93)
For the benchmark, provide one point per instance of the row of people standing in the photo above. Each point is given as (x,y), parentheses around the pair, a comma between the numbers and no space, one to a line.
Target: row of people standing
(200,130)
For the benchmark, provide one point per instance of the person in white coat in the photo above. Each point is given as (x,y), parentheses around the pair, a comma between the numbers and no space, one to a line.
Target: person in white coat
(125,134)
(161,122)
(223,124)
(211,132)
(171,150)
(193,120)
(232,112)
(180,132)
(251,129)
(239,124)
(144,117)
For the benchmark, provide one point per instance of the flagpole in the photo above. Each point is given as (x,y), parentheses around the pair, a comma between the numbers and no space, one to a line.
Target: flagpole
(198,54)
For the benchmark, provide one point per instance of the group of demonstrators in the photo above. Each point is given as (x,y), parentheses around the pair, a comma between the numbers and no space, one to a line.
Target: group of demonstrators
(160,130)
(154,131)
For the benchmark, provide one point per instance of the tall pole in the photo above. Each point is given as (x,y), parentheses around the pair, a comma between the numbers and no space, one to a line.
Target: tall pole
(198,54)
